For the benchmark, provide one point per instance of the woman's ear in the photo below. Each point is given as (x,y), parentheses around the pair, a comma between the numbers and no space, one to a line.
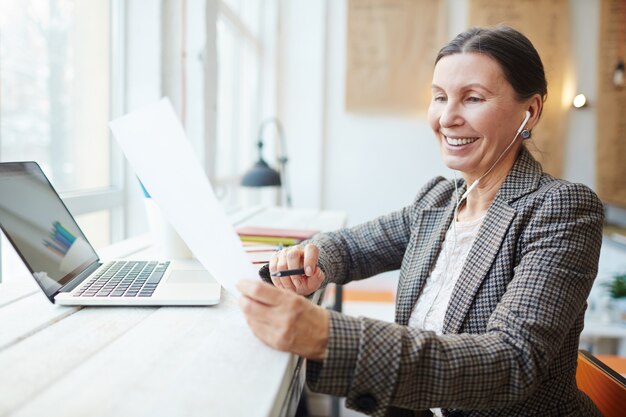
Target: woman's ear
(535,106)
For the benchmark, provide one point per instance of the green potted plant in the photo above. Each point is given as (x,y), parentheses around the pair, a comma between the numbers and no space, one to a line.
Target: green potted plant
(617,291)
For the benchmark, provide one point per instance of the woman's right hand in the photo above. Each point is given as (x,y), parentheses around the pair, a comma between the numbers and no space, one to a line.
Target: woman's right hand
(298,257)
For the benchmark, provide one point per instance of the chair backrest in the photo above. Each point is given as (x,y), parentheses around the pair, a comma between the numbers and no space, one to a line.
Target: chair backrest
(605,387)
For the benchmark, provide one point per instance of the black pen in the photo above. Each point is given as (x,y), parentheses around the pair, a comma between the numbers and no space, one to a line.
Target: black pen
(287,272)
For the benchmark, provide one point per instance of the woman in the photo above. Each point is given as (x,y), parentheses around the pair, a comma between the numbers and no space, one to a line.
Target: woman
(494,270)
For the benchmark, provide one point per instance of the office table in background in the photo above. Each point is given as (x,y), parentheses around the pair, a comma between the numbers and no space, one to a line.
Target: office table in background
(145,361)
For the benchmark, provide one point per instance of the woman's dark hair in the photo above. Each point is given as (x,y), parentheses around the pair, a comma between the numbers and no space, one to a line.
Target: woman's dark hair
(515,54)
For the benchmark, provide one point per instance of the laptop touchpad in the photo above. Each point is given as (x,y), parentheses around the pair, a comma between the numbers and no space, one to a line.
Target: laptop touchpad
(190,277)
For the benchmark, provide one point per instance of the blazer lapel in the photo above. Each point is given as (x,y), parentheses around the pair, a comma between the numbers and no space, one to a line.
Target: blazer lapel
(432,227)
(478,263)
(522,179)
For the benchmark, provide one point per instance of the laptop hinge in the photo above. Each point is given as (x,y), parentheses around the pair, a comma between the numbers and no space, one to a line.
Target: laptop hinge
(74,282)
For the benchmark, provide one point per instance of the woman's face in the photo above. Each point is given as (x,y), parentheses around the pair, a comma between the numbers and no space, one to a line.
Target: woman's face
(474,112)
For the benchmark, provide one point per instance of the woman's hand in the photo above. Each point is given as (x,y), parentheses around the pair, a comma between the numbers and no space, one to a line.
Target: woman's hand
(298,257)
(284,320)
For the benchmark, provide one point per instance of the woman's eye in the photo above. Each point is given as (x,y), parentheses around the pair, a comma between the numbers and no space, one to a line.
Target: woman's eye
(439,98)
(474,99)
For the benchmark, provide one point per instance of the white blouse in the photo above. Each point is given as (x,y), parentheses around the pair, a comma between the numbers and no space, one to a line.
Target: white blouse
(430,308)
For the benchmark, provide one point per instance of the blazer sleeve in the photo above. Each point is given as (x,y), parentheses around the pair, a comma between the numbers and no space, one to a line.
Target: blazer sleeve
(378,364)
(373,247)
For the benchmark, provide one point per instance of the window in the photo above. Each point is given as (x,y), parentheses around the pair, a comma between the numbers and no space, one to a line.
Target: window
(242,49)
(62,78)
(242,46)
(55,89)
(55,101)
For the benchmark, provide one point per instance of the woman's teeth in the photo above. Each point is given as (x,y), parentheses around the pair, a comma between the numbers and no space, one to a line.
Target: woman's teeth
(460,141)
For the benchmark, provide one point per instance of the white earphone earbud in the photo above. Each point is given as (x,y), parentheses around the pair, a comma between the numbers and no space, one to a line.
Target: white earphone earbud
(521,127)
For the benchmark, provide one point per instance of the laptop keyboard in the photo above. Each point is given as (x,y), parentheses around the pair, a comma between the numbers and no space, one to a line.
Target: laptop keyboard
(124,279)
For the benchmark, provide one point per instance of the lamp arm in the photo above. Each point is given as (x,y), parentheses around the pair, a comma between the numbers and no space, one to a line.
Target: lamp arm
(283,161)
(283,152)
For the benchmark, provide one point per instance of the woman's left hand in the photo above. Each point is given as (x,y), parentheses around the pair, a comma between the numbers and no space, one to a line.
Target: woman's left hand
(284,320)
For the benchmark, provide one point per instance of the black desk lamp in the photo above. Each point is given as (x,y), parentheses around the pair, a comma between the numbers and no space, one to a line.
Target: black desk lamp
(261,174)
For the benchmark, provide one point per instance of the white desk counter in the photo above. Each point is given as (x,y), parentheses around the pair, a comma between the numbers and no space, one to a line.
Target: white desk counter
(143,361)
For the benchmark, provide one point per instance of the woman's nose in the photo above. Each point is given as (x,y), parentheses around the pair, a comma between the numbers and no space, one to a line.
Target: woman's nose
(450,116)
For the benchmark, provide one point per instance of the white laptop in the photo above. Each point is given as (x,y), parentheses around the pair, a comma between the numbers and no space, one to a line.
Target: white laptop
(45,235)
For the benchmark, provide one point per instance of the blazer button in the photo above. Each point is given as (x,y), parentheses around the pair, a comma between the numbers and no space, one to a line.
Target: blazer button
(366,402)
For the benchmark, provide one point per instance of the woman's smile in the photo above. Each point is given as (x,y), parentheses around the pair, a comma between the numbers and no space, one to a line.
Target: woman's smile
(460,141)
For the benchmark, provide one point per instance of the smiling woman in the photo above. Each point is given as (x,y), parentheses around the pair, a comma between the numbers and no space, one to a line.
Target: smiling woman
(495,268)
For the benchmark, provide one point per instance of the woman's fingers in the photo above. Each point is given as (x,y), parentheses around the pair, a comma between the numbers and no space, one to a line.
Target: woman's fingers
(281,261)
(274,268)
(296,257)
(287,283)
(284,320)
(314,282)
(311,254)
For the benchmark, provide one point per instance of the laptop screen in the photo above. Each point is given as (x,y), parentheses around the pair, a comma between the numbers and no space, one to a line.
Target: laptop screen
(40,227)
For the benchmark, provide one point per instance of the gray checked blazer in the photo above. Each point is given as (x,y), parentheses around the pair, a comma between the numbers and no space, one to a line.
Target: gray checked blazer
(511,329)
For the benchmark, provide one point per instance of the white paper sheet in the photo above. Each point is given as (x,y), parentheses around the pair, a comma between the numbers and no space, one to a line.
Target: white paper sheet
(156,146)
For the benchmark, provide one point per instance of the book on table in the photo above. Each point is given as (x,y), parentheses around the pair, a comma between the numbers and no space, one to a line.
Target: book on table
(277,236)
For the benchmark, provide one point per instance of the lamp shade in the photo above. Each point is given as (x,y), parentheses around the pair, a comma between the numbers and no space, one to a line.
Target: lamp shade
(261,175)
